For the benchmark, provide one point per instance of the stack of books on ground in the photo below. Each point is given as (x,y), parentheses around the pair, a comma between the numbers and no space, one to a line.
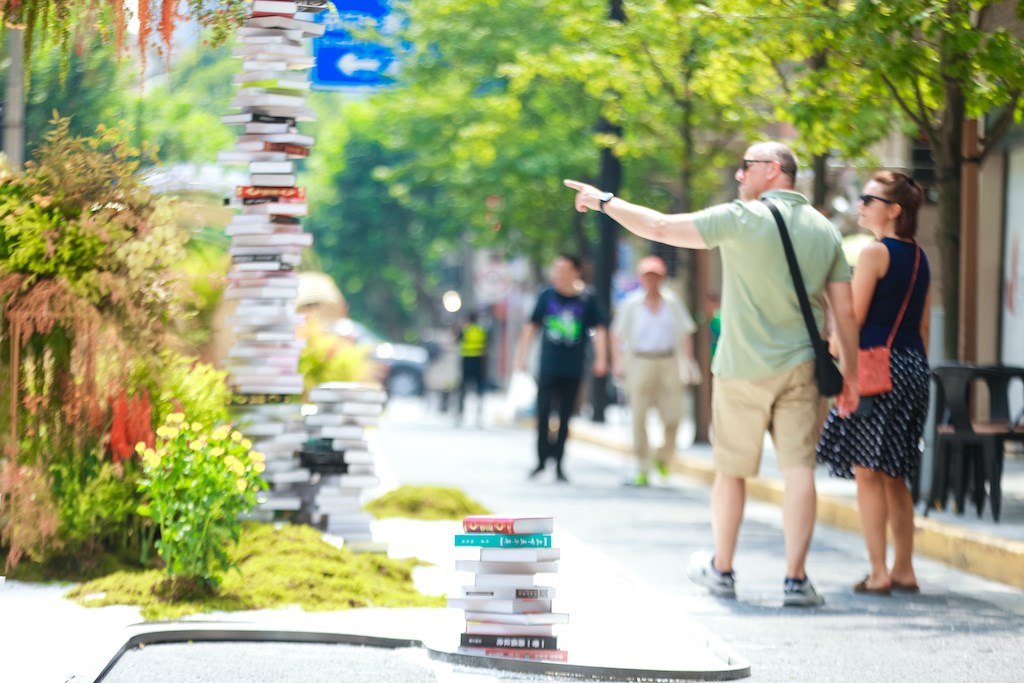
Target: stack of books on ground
(508,613)
(339,449)
(267,238)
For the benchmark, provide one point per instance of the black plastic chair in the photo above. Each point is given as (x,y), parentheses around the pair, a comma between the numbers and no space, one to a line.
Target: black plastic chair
(999,379)
(963,447)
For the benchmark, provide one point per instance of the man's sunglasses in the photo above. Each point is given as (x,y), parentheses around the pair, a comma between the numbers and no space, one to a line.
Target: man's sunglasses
(745,163)
(866,199)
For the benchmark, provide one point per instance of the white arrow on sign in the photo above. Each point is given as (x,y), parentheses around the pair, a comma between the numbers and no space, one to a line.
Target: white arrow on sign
(350,64)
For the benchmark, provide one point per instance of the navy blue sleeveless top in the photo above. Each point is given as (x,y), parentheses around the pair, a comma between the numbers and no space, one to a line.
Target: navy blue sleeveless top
(888,298)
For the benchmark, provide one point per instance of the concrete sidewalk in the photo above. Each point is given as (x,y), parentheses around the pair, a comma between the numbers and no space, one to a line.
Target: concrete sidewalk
(978,545)
(622,579)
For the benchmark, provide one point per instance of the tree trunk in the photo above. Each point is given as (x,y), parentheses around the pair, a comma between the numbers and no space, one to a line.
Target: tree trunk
(820,166)
(947,151)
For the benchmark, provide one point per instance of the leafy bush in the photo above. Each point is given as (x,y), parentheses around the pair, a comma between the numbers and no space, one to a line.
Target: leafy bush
(330,358)
(196,481)
(85,277)
(425,502)
(187,385)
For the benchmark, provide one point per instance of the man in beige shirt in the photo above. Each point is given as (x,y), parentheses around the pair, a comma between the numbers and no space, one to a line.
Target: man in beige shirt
(652,349)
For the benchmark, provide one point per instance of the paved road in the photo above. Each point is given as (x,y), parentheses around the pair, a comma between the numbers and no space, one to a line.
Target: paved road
(960,627)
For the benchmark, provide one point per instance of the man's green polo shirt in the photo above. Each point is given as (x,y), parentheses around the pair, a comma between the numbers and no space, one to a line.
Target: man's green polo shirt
(763,332)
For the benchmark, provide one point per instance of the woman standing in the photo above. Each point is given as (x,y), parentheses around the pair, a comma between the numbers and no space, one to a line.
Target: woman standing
(880,445)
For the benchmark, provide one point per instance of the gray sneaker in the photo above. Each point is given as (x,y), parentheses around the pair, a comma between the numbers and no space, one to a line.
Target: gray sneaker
(702,571)
(801,594)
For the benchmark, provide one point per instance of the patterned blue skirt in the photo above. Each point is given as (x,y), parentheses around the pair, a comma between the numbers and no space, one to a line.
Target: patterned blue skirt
(888,439)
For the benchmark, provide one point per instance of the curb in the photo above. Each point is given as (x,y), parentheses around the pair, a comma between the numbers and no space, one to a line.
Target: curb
(984,555)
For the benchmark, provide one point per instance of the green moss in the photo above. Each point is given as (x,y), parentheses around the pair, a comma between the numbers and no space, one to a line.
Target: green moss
(425,502)
(65,568)
(291,565)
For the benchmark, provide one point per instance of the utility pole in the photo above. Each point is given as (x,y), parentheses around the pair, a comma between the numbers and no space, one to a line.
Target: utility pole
(610,179)
(14,103)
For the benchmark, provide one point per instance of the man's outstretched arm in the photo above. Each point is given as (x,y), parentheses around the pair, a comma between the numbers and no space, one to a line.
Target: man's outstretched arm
(677,229)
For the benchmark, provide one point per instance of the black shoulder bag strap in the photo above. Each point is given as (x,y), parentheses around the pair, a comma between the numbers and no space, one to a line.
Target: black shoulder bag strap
(794,271)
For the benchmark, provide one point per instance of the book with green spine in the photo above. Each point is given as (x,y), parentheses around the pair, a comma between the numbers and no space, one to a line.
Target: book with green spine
(503,540)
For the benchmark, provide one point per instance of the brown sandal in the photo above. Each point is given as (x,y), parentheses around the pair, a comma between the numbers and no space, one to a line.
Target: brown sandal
(899,587)
(863,588)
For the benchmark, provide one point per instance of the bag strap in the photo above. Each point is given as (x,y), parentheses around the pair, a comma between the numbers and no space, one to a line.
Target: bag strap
(798,280)
(906,299)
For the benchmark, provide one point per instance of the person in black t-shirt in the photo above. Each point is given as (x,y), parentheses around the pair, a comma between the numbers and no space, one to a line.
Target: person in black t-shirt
(565,313)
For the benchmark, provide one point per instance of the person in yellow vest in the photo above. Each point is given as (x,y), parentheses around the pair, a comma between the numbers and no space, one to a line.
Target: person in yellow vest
(473,349)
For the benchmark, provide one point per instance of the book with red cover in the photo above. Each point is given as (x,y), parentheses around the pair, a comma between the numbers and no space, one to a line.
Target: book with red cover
(517,653)
(254,191)
(286,147)
(496,524)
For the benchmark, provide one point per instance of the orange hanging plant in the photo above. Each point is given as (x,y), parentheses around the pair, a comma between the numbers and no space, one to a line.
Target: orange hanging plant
(48,21)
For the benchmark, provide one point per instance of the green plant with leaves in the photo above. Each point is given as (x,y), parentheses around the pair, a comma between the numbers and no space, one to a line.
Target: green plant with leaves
(329,358)
(197,481)
(184,384)
(87,291)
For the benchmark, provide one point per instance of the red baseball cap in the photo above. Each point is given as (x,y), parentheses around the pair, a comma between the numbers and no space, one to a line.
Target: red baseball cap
(651,264)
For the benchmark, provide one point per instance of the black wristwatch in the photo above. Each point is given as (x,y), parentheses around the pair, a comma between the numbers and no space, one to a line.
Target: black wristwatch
(603,199)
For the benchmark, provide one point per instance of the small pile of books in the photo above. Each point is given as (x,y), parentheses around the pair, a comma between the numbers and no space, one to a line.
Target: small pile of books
(507,613)
(267,238)
(339,450)
(277,431)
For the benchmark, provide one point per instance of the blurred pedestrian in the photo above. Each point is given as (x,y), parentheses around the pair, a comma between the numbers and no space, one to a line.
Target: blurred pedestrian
(713,314)
(566,313)
(473,350)
(764,365)
(880,444)
(652,348)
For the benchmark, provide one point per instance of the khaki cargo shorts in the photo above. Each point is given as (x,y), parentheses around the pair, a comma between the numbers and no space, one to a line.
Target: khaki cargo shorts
(786,405)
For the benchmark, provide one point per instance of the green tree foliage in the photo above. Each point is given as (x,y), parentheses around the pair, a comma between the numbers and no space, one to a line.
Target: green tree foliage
(383,254)
(941,63)
(853,71)
(181,116)
(461,128)
(91,91)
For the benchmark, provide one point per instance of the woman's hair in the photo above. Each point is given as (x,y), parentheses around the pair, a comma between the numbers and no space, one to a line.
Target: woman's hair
(902,189)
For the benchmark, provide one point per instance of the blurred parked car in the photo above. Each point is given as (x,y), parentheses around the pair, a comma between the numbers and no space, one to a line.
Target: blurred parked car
(401,366)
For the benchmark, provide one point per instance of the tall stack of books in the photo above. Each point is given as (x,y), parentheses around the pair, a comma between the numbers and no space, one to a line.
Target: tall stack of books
(266,235)
(507,613)
(338,448)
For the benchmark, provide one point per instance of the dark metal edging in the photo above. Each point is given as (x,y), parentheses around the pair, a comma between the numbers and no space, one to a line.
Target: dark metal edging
(218,633)
(201,634)
(595,672)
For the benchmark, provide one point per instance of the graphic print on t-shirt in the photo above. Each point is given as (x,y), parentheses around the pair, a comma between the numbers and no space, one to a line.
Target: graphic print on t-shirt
(563,323)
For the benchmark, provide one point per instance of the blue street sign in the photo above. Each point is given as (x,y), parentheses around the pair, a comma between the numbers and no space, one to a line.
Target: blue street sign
(373,8)
(346,65)
(343,61)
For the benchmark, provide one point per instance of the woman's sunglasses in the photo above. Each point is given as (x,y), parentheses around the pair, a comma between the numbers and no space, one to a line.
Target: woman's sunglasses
(866,199)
